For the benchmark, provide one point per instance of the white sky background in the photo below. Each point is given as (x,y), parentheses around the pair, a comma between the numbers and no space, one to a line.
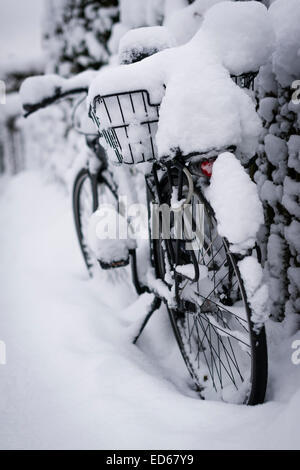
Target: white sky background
(20,27)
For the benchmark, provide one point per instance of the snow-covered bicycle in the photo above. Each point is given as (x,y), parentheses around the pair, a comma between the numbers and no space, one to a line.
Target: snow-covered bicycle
(202,286)
(205,270)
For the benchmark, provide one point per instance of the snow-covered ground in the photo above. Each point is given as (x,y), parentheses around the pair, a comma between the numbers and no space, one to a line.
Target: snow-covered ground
(73,380)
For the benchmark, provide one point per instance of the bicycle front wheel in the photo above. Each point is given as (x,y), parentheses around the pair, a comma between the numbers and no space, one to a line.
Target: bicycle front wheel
(88,194)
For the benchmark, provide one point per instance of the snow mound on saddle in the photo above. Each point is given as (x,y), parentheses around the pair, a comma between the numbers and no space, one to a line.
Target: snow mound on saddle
(241,33)
(143,42)
(231,187)
(203,109)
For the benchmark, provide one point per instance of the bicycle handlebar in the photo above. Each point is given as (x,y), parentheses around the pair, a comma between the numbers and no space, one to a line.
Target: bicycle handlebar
(40,91)
(32,108)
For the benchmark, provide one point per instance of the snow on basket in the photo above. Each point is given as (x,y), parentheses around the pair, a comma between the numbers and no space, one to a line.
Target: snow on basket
(139,43)
(127,123)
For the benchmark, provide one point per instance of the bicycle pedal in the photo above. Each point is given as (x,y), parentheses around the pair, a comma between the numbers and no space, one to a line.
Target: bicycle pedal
(114,264)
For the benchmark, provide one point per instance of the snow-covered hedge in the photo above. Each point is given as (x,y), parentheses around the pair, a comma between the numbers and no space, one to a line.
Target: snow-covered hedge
(278,173)
(76,34)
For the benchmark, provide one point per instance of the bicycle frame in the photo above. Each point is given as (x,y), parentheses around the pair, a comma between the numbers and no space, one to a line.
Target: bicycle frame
(154,194)
(154,183)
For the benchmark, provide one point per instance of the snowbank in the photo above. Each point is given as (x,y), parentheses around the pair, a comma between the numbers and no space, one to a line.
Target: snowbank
(73,379)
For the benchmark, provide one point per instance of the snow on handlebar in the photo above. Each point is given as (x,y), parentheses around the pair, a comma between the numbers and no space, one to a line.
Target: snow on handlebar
(41,91)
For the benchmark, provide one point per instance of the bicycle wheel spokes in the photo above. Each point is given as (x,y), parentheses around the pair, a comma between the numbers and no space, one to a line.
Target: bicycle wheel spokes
(215,332)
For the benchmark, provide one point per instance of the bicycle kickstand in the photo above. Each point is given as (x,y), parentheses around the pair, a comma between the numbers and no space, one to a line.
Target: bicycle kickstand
(154,306)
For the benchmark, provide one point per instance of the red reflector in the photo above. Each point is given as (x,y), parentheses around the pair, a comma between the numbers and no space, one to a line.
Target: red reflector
(206,167)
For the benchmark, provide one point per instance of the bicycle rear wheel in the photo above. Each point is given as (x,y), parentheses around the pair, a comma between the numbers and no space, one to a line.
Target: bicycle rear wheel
(88,194)
(224,353)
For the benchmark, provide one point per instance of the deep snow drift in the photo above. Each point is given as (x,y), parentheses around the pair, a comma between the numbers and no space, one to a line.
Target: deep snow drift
(74,380)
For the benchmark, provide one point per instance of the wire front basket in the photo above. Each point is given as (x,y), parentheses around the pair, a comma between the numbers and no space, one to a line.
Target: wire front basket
(128,121)
(128,124)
